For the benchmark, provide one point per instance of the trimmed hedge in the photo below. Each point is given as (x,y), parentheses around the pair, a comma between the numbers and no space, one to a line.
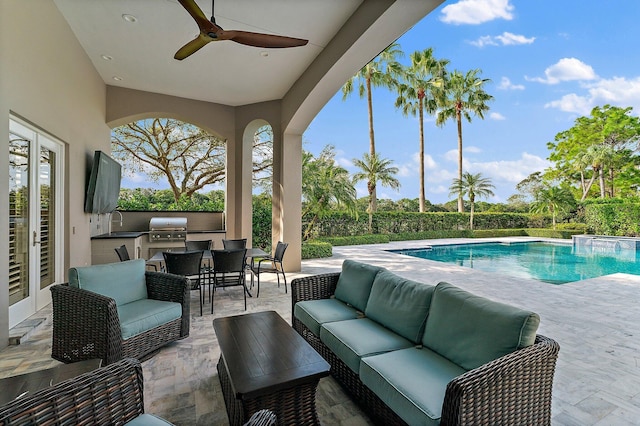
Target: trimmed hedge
(316,249)
(553,233)
(613,218)
(356,240)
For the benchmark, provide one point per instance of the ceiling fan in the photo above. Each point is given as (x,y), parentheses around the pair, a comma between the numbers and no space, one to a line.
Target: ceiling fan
(210,31)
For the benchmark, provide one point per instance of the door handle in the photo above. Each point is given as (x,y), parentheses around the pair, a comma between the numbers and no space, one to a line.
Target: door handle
(35,238)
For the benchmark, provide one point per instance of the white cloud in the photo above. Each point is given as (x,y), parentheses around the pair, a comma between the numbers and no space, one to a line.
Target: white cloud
(512,171)
(510,39)
(505,84)
(344,162)
(472,149)
(476,11)
(497,116)
(505,39)
(617,91)
(566,69)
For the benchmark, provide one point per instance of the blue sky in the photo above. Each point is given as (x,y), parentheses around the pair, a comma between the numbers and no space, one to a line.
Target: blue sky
(549,62)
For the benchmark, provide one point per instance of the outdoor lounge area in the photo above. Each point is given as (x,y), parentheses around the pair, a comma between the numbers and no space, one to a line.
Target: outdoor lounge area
(597,380)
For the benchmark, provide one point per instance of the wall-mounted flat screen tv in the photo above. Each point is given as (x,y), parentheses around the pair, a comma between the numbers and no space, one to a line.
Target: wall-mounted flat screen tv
(103,188)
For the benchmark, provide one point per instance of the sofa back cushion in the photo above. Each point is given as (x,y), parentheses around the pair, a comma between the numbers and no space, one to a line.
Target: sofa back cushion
(399,304)
(123,281)
(354,283)
(471,330)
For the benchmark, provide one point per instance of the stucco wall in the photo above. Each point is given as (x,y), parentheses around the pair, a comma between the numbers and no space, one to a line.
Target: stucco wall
(47,79)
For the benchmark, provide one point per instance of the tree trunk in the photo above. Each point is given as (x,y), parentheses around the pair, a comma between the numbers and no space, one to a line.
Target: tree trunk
(459,120)
(586,190)
(601,180)
(472,202)
(372,141)
(422,195)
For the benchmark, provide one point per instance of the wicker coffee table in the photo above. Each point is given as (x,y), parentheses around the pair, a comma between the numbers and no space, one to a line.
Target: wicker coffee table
(264,363)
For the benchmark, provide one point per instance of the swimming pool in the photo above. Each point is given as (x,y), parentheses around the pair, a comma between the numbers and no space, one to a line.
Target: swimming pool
(548,262)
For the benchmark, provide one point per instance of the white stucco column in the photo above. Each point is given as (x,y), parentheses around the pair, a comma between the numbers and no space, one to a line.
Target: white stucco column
(238,185)
(287,196)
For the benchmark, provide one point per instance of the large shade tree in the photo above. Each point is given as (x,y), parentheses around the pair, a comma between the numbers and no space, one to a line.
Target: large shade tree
(374,169)
(464,96)
(382,71)
(185,155)
(422,84)
(602,147)
(474,186)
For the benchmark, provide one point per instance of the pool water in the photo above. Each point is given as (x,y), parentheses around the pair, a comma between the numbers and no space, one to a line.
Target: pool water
(548,262)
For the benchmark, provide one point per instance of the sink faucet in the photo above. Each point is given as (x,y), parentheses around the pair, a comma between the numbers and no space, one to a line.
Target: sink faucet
(117,221)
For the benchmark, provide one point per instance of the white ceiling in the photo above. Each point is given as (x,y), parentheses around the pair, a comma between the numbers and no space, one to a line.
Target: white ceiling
(223,72)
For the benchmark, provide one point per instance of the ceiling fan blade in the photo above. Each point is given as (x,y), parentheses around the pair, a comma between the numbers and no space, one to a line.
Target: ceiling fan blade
(260,39)
(192,47)
(198,15)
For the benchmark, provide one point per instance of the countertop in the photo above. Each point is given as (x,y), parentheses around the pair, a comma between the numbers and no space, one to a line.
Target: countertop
(136,234)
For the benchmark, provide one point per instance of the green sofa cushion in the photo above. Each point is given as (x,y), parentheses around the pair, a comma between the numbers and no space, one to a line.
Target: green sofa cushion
(412,382)
(354,283)
(314,313)
(144,314)
(123,281)
(351,340)
(471,330)
(399,304)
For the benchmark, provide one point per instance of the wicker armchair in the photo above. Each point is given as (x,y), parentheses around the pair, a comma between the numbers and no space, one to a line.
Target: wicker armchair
(86,325)
(108,395)
(112,395)
(513,389)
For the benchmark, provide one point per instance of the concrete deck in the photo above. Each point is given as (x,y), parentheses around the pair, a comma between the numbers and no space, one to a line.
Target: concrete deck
(596,322)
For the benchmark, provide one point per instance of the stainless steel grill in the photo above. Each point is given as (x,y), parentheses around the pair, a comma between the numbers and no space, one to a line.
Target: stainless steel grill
(167,229)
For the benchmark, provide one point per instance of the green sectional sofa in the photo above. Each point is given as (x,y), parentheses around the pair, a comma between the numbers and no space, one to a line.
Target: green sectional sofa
(118,310)
(418,354)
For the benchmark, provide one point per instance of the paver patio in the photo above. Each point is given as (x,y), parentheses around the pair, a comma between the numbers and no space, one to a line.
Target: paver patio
(596,322)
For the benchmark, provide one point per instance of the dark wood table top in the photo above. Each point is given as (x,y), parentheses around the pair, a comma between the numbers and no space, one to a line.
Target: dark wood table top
(263,354)
(24,384)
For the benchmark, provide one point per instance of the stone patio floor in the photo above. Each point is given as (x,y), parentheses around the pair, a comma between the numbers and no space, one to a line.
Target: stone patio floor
(596,322)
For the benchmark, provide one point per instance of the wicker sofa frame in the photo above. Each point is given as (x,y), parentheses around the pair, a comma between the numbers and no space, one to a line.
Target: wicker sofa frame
(86,325)
(513,389)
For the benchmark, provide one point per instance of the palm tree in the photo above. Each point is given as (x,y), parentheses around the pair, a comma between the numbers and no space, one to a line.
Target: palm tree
(382,71)
(553,200)
(463,95)
(423,78)
(374,170)
(473,186)
(324,185)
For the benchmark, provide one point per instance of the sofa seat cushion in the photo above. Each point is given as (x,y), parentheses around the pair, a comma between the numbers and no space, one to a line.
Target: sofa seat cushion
(351,340)
(400,304)
(124,282)
(145,314)
(354,283)
(148,420)
(471,330)
(314,313)
(412,382)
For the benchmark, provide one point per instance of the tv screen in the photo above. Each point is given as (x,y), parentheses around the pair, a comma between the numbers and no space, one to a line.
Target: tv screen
(103,188)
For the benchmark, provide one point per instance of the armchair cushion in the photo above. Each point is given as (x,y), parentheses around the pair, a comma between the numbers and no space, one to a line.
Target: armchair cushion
(142,315)
(105,280)
(399,304)
(471,330)
(354,284)
(148,420)
(314,313)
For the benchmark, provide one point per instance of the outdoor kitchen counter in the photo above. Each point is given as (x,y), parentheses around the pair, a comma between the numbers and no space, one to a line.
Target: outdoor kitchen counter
(122,234)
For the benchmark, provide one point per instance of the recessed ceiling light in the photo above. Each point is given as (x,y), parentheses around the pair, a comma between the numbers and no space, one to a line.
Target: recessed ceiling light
(106,57)
(129,18)
(264,54)
(116,78)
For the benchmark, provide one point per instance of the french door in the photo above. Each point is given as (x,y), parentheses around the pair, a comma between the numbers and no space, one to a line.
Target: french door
(35,219)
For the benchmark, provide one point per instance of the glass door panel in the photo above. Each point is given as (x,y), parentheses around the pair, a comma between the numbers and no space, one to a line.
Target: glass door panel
(47,218)
(18,219)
